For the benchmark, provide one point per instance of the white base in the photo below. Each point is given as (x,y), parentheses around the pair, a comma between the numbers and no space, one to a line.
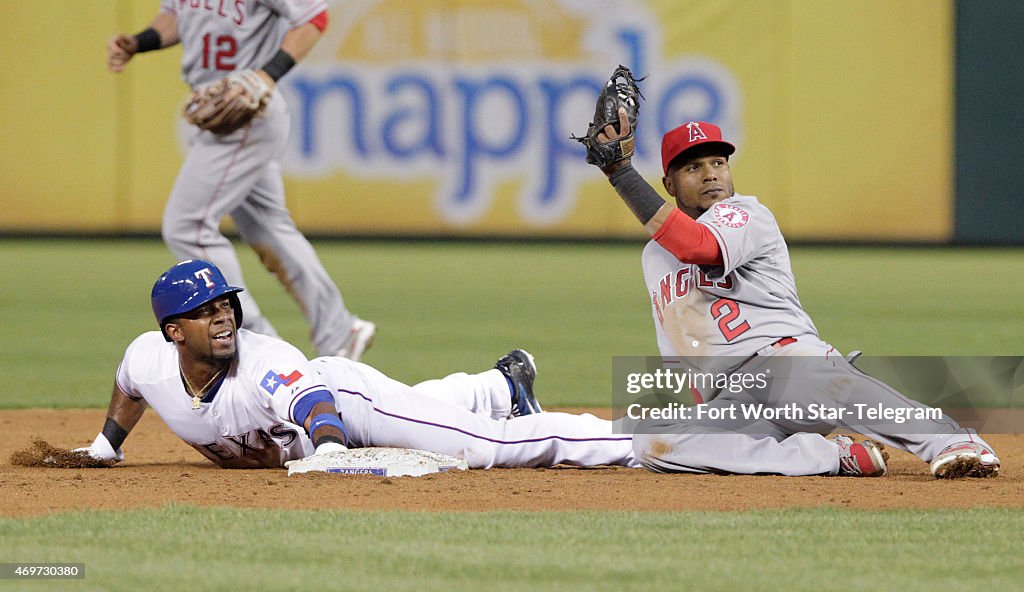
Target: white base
(385,462)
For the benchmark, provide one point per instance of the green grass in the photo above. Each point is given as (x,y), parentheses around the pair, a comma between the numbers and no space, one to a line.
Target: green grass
(937,302)
(68,309)
(178,548)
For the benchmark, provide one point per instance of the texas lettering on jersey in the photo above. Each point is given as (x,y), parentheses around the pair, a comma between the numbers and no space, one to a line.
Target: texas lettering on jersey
(255,448)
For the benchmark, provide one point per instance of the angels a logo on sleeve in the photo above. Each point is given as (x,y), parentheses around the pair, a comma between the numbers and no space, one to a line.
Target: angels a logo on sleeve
(730,215)
(272,380)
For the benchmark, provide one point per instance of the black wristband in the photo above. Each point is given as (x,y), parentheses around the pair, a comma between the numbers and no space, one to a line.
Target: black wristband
(114,433)
(325,439)
(148,40)
(638,194)
(279,65)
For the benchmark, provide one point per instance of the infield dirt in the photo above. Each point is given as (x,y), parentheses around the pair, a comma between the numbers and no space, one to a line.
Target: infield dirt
(160,469)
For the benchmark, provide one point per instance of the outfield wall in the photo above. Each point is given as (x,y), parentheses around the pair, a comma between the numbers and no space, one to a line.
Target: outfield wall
(447,117)
(989,126)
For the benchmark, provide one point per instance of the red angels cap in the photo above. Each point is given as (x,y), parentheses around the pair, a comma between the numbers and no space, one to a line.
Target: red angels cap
(688,135)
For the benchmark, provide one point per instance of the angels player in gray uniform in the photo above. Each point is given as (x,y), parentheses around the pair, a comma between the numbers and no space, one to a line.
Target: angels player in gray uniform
(246,400)
(239,174)
(723,297)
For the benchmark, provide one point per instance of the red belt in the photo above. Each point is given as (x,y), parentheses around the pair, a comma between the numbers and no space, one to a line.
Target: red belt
(777,345)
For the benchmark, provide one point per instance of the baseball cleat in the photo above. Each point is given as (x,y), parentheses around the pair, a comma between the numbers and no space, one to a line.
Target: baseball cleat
(860,459)
(520,370)
(965,459)
(359,340)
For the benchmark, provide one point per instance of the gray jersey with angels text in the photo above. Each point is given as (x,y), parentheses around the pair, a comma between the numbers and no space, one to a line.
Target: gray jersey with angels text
(735,309)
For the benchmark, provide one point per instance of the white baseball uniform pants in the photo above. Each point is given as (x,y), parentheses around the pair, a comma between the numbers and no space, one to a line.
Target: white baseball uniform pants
(456,415)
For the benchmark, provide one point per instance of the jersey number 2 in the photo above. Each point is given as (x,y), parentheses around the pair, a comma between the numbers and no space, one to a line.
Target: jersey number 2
(223,49)
(727,311)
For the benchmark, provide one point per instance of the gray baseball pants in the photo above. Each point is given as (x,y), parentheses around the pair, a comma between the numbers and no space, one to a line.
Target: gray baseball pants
(807,373)
(239,175)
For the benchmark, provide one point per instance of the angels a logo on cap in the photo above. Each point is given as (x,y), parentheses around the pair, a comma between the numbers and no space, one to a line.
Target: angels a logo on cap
(730,215)
(695,132)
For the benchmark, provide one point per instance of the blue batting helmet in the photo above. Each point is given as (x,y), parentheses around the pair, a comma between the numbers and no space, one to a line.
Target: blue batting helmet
(187,286)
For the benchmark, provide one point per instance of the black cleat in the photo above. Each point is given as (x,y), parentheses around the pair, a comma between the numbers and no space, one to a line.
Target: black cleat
(519,368)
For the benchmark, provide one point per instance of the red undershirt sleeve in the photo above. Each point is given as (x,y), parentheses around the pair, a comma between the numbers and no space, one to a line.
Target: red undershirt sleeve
(320,21)
(689,241)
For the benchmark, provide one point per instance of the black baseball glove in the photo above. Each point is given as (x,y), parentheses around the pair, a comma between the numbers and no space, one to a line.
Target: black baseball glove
(621,90)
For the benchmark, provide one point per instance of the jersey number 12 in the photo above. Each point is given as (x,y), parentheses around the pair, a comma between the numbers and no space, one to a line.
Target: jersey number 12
(223,49)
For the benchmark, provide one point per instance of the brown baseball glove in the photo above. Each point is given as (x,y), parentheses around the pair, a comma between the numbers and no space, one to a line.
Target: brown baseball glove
(230,103)
(620,90)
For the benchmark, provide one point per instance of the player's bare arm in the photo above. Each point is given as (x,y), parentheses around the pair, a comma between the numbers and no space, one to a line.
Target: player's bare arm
(323,429)
(295,46)
(162,32)
(299,41)
(123,414)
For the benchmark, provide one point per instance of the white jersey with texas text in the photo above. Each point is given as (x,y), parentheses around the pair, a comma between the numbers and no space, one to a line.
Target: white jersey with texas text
(246,420)
(219,36)
(731,310)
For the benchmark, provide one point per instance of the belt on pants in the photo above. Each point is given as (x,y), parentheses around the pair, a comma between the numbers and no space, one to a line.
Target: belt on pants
(774,346)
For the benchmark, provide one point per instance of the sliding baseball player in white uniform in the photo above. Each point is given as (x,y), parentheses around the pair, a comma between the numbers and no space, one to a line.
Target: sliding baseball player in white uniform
(239,174)
(724,300)
(246,400)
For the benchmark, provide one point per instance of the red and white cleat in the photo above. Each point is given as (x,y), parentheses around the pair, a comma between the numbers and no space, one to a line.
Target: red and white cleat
(965,459)
(860,459)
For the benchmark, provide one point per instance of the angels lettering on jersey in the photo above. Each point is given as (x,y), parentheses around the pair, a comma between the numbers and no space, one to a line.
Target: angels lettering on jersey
(233,10)
(678,284)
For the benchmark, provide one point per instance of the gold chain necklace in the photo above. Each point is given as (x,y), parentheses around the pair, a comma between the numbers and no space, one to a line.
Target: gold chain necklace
(197,395)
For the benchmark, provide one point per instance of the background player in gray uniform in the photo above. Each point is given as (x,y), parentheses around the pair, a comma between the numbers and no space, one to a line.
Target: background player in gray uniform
(239,174)
(723,297)
(246,400)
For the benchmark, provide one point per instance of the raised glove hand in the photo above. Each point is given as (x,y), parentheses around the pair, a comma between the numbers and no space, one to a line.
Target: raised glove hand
(606,140)
(101,450)
(230,103)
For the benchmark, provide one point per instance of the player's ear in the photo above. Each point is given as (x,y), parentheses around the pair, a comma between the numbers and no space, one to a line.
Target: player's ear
(173,330)
(670,186)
